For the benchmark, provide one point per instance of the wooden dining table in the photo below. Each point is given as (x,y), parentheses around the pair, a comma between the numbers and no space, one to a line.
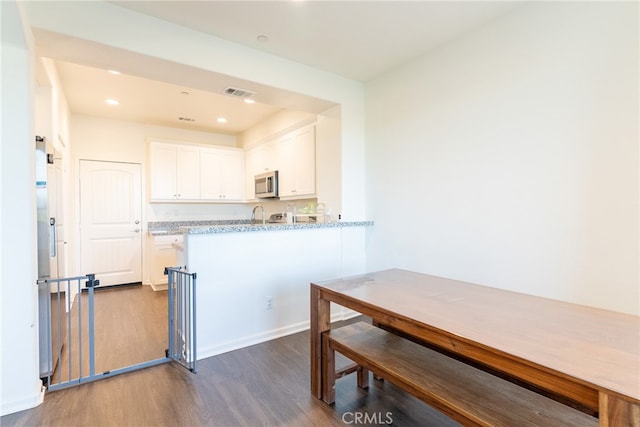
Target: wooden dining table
(589,357)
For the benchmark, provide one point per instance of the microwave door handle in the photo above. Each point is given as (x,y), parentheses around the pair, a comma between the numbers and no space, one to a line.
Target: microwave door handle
(269,185)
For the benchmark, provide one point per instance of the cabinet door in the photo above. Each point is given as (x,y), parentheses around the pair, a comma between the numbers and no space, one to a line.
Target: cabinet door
(210,174)
(304,154)
(232,175)
(163,255)
(188,173)
(264,158)
(286,171)
(221,174)
(260,159)
(162,171)
(296,155)
(251,165)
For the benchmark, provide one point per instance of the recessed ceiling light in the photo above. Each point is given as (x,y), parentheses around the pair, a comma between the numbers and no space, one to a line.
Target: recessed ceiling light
(112,101)
(249,101)
(221,120)
(114,72)
(184,92)
(262,38)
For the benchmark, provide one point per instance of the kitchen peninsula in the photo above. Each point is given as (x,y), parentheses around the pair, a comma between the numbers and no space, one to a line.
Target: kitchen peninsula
(253,280)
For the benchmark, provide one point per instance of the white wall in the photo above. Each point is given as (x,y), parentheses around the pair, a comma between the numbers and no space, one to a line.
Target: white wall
(19,383)
(274,126)
(124,141)
(231,304)
(509,157)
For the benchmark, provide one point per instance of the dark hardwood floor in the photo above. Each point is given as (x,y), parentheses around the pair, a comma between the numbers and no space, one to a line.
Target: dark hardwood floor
(262,385)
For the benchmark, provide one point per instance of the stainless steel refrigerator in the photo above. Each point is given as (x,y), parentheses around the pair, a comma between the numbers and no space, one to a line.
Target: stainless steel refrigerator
(51,339)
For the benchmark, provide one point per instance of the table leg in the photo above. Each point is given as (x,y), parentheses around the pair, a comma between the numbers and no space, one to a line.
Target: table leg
(615,411)
(320,322)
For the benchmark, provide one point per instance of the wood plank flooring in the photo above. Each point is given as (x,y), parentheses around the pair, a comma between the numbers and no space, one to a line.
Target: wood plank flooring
(262,385)
(130,328)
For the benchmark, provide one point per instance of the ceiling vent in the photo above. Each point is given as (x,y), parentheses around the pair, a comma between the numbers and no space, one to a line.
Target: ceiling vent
(240,93)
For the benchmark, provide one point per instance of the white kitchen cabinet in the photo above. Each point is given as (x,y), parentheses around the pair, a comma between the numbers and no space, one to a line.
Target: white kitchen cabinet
(221,174)
(174,172)
(163,254)
(297,167)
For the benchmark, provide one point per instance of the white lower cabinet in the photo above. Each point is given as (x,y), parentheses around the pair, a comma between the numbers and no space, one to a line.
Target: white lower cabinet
(163,254)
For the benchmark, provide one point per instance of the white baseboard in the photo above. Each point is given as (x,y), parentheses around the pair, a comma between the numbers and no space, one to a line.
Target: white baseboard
(159,286)
(23,404)
(249,340)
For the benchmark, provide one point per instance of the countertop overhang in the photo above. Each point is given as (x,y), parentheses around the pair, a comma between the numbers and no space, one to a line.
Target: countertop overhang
(241,226)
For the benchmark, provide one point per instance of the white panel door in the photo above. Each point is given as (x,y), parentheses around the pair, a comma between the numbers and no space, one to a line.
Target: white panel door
(110,221)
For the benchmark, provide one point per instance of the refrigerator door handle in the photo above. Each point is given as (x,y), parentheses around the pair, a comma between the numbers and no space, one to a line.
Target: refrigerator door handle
(52,240)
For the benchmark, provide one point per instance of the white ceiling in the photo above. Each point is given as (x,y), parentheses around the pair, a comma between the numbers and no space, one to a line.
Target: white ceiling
(158,103)
(355,39)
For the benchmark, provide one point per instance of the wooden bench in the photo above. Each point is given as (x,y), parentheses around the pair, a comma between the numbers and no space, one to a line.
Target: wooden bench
(466,394)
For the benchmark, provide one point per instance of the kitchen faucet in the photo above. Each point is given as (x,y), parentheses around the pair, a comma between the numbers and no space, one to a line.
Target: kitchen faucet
(253,214)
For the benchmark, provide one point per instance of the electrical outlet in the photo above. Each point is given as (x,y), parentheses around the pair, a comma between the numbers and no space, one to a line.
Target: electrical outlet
(269,302)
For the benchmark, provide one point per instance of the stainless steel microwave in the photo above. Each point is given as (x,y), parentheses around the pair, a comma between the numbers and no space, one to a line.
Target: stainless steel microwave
(266,185)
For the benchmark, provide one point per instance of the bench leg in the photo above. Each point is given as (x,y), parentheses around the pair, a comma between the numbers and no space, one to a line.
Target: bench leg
(328,371)
(363,377)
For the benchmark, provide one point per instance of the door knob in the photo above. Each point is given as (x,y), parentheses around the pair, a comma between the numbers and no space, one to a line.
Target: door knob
(137,222)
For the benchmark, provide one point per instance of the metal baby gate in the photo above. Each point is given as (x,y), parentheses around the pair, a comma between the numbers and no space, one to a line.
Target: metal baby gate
(182,313)
(67,329)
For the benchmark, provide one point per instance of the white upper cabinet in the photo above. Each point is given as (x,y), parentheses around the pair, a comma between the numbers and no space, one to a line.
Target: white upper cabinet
(174,172)
(221,174)
(286,173)
(293,156)
(297,167)
(263,158)
(192,173)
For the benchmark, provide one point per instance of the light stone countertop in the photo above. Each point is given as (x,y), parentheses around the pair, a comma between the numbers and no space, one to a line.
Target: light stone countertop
(239,226)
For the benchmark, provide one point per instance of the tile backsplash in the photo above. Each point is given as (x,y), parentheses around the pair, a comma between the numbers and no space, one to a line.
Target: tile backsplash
(216,211)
